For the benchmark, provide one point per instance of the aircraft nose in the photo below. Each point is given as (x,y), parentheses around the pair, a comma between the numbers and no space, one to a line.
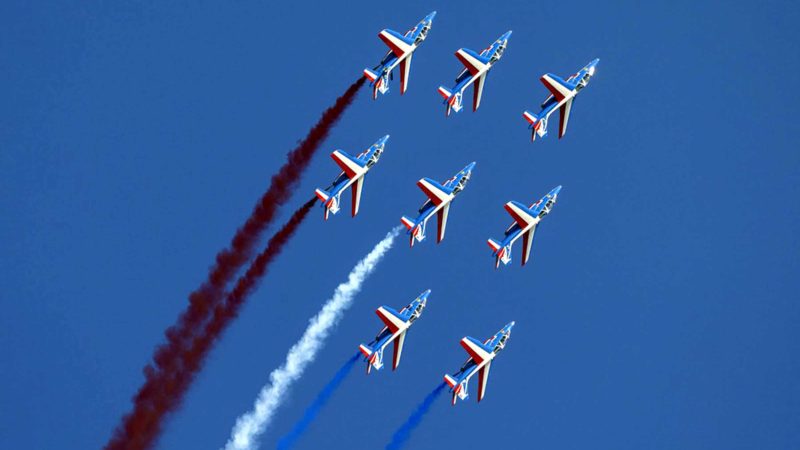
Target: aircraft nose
(507,35)
(556,190)
(431,15)
(511,324)
(470,166)
(385,138)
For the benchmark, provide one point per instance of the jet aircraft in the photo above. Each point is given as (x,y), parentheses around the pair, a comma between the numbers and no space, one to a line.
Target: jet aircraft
(397,325)
(526,220)
(439,198)
(402,47)
(354,170)
(477,66)
(480,360)
(562,94)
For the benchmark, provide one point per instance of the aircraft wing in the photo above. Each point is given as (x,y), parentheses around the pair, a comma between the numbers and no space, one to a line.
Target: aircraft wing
(476,349)
(355,189)
(398,349)
(351,166)
(523,215)
(564,111)
(557,86)
(477,91)
(527,243)
(393,320)
(442,213)
(474,62)
(405,71)
(483,380)
(399,44)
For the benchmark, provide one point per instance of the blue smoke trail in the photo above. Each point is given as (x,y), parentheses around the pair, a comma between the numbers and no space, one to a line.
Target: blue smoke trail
(402,434)
(291,438)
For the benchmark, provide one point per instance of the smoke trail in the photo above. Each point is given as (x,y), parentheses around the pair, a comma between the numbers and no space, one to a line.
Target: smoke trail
(401,436)
(140,427)
(288,441)
(249,426)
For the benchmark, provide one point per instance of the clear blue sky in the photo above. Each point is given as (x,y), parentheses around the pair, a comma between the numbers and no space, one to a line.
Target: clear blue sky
(659,311)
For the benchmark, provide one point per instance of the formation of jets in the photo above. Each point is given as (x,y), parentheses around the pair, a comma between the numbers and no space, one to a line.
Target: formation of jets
(396,325)
(440,195)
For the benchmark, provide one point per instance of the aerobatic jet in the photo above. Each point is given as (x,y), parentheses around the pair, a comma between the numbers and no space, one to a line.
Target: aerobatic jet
(562,94)
(402,48)
(477,66)
(397,325)
(479,361)
(439,198)
(526,220)
(354,170)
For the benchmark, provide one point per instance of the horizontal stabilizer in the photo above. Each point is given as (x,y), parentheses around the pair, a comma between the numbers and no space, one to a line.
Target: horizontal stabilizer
(322,195)
(450,381)
(365,350)
(371,76)
(494,245)
(444,92)
(408,222)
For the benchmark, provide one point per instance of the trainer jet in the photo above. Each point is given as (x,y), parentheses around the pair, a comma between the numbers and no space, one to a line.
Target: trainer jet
(477,66)
(479,361)
(397,324)
(562,93)
(439,198)
(526,220)
(402,48)
(354,170)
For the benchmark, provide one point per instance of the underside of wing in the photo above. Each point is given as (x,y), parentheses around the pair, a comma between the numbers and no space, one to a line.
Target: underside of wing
(527,243)
(355,189)
(442,213)
(477,91)
(483,380)
(437,193)
(405,71)
(351,166)
(477,351)
(564,111)
(398,349)
(399,44)
(391,318)
(474,62)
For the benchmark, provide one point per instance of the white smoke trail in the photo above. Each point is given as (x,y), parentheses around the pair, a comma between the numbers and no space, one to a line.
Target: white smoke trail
(250,425)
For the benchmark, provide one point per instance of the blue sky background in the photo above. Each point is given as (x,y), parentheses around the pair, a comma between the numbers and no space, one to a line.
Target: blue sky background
(659,311)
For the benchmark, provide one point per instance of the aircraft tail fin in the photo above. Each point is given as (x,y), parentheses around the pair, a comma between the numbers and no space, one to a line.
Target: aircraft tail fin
(371,75)
(413,228)
(537,125)
(408,222)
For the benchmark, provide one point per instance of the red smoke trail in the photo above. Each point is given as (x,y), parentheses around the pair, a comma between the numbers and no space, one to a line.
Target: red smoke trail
(141,426)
